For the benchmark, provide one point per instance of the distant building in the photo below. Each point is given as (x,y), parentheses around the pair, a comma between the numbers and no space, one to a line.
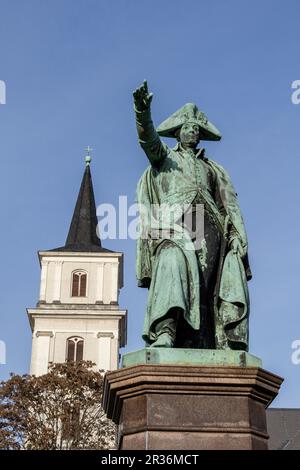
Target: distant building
(78,315)
(284,428)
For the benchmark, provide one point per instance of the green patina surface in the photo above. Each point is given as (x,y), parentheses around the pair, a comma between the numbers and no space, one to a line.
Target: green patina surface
(207,357)
(179,273)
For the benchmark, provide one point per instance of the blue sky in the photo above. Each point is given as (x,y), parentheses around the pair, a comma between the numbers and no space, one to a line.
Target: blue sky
(70,67)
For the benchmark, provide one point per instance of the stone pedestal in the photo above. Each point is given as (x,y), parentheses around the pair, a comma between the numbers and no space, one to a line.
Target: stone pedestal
(180,407)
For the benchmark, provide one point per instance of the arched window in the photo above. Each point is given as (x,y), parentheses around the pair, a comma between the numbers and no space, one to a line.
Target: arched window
(74,349)
(79,279)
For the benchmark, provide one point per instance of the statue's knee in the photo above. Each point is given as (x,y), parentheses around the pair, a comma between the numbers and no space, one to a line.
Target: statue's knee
(171,255)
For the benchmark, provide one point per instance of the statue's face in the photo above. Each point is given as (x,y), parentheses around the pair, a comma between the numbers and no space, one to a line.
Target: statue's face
(189,134)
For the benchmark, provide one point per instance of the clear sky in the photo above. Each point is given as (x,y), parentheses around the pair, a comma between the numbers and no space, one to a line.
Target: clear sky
(70,67)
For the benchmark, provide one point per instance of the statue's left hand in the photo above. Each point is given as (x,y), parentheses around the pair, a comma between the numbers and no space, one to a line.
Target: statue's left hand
(236,247)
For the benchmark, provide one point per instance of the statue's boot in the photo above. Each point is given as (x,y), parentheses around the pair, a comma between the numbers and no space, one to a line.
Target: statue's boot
(166,331)
(164,340)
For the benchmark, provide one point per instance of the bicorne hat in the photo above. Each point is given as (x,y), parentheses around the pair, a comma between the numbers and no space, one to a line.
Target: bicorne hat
(189,113)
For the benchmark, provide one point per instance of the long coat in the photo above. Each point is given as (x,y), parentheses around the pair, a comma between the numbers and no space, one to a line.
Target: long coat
(174,182)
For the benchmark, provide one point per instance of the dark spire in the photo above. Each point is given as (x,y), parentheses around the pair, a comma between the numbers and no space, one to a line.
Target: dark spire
(83,227)
(82,234)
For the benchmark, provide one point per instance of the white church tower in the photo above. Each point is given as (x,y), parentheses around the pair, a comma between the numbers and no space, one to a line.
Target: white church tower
(78,316)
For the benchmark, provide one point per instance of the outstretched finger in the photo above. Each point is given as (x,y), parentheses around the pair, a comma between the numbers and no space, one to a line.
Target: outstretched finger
(145,86)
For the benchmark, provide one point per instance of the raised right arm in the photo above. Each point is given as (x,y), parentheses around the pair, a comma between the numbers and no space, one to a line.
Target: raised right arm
(149,139)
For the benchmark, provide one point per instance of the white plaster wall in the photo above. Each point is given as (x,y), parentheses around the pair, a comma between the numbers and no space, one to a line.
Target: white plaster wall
(98,271)
(89,348)
(87,324)
(100,341)
(104,351)
(40,354)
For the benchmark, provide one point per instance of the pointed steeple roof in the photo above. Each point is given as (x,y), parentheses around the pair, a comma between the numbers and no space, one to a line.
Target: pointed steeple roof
(82,236)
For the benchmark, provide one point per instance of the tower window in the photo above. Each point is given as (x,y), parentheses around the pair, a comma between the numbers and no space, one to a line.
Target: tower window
(79,284)
(74,349)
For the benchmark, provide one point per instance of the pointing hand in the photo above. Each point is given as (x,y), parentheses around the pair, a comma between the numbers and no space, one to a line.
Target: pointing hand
(142,98)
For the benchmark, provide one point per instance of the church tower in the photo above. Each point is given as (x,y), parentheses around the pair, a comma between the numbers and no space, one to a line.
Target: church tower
(78,316)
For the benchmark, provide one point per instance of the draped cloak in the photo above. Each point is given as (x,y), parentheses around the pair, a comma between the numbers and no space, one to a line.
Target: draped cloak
(231,300)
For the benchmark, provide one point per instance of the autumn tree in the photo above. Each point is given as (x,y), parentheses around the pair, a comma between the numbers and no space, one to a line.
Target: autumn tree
(58,410)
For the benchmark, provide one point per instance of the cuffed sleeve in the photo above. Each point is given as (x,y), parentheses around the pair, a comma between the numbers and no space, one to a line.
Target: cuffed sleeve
(149,139)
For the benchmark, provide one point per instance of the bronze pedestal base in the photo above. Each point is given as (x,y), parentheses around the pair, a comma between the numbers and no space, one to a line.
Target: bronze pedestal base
(176,407)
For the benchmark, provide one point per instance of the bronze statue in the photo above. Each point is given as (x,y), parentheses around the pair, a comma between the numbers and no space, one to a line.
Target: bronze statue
(198,298)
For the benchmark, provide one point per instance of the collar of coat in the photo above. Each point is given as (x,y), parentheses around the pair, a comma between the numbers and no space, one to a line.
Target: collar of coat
(199,153)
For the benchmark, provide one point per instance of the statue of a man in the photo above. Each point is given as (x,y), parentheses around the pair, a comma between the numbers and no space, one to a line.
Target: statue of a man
(198,298)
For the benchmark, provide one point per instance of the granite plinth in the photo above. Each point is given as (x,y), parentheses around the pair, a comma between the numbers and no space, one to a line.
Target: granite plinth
(190,407)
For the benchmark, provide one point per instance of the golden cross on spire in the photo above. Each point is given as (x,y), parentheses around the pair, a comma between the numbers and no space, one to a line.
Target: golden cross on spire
(88,157)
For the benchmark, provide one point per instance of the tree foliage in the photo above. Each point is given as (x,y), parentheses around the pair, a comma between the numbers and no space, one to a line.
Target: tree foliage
(58,410)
